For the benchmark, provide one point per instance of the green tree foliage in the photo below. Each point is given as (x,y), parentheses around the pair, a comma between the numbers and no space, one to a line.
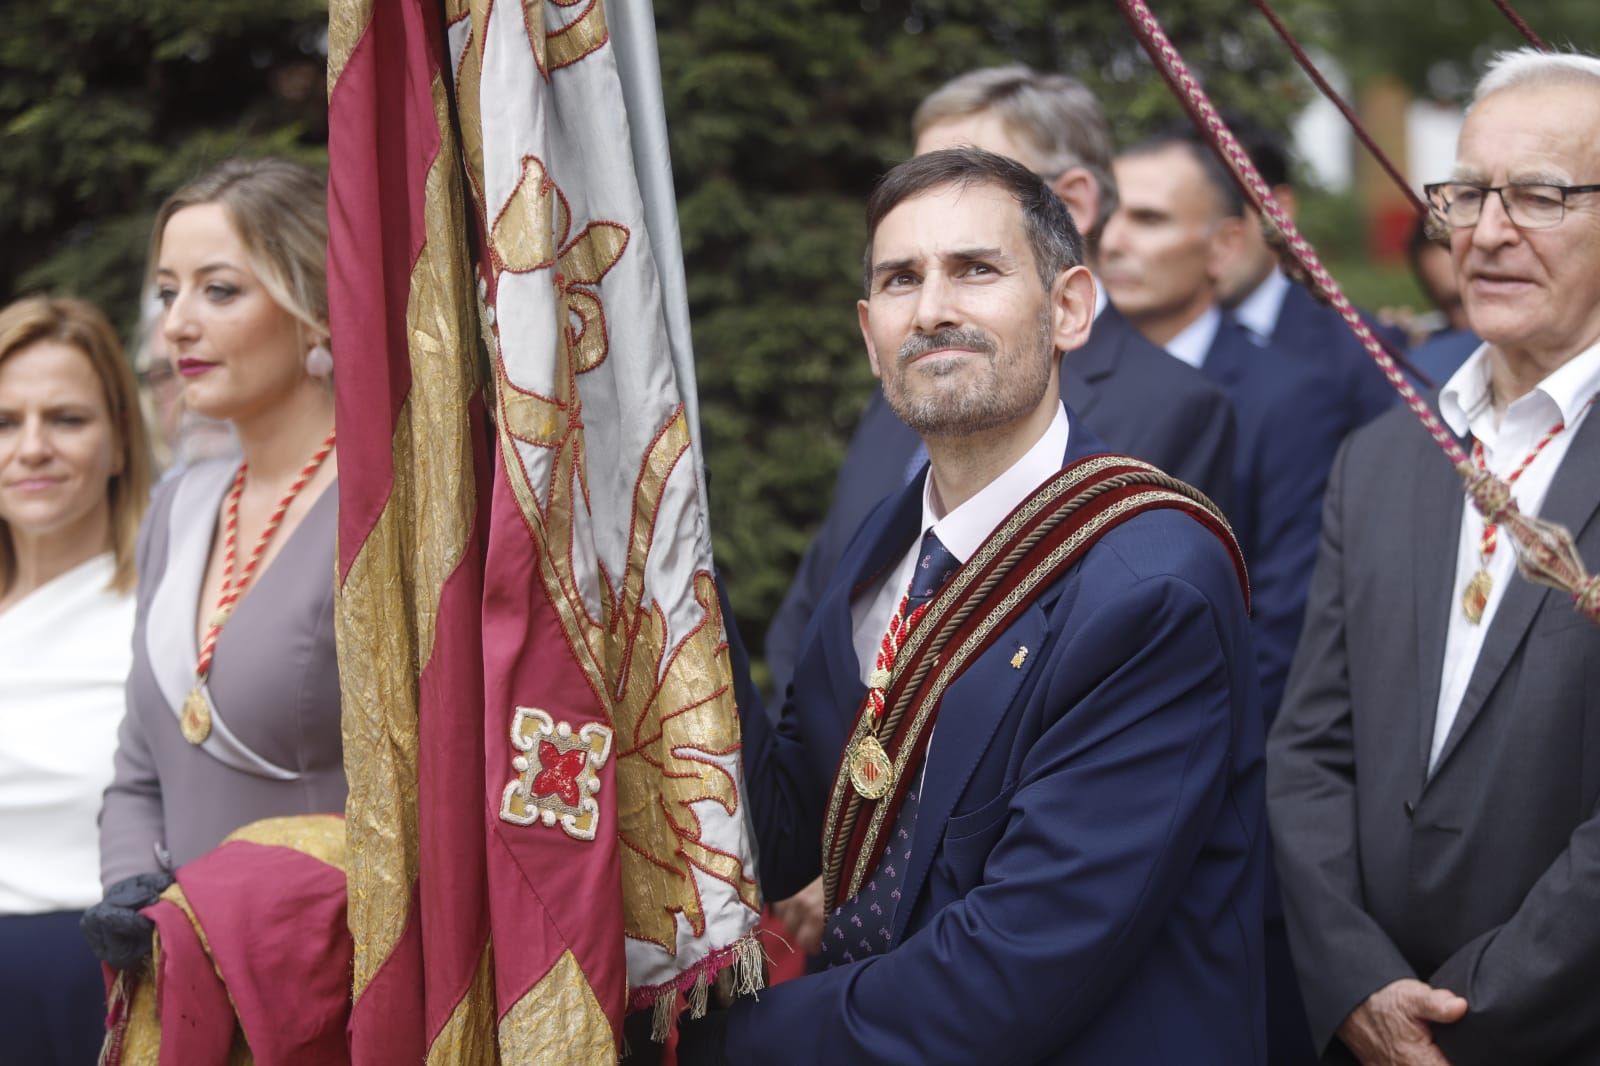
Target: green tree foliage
(106,107)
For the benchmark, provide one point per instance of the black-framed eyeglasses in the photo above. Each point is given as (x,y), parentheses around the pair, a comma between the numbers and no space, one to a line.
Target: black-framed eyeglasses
(1529,205)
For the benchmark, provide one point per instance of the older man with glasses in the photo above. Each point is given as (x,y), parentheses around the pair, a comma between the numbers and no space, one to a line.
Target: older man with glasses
(1434,774)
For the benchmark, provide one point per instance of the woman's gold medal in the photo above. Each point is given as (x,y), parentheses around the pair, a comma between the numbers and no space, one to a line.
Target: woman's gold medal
(195,722)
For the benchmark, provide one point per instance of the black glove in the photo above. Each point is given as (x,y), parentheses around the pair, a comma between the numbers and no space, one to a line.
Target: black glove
(117,933)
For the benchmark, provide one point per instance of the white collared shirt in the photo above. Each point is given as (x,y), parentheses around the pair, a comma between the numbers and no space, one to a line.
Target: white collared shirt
(1193,342)
(1259,312)
(962,531)
(1466,404)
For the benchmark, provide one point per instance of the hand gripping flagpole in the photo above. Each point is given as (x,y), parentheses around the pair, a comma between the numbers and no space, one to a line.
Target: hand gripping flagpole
(1546,553)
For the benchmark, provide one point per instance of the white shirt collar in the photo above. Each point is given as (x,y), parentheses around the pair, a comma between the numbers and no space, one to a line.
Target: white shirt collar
(1193,342)
(1466,404)
(1259,311)
(964,529)
(1100,297)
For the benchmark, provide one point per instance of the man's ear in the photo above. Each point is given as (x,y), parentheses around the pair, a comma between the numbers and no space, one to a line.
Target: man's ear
(1076,188)
(1071,308)
(1227,245)
(863,316)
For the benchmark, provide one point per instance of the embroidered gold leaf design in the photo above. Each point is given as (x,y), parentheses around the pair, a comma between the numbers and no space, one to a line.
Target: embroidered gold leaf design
(525,233)
(670,722)
(579,37)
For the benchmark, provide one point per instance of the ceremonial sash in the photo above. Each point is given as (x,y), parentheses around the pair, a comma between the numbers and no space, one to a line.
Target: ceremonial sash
(1028,552)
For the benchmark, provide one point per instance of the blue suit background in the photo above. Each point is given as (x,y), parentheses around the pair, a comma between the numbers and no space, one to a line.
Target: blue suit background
(1087,868)
(1124,389)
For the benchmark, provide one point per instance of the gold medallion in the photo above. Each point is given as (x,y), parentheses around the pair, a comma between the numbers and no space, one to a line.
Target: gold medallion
(195,721)
(870,770)
(1475,597)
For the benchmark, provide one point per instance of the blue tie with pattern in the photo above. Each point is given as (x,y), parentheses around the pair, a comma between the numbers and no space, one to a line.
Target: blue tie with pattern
(859,927)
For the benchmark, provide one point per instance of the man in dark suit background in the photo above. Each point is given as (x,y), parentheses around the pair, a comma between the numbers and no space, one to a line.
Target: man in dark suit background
(1178,227)
(1130,393)
(1276,309)
(1075,875)
(1434,775)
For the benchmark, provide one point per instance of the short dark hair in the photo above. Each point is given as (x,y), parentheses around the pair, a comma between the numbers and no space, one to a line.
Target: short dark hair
(1188,139)
(1056,242)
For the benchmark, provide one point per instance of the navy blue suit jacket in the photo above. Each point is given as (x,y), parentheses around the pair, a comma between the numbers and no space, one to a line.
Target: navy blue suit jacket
(1442,355)
(1290,428)
(1312,333)
(1087,868)
(1127,391)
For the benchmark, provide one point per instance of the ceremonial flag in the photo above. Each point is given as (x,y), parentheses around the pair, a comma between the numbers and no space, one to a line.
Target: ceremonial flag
(545,811)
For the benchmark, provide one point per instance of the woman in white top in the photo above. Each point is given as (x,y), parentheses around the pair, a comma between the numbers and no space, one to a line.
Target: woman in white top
(74,482)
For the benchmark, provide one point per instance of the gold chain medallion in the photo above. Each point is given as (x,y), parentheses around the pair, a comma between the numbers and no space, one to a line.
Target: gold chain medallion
(870,770)
(195,722)
(1475,597)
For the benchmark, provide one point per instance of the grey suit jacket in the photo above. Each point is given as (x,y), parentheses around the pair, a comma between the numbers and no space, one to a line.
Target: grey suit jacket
(275,680)
(1483,878)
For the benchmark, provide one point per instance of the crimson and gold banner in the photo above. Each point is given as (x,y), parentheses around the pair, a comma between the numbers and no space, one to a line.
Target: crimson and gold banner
(545,821)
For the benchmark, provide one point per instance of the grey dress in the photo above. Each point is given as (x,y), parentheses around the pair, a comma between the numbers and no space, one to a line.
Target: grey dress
(275,746)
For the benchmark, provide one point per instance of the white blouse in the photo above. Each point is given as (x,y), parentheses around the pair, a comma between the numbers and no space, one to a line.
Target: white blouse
(65,650)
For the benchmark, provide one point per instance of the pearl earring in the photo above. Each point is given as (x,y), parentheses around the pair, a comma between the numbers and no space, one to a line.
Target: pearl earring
(319,362)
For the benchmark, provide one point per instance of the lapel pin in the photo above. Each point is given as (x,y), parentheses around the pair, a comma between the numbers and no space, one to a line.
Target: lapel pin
(1021,657)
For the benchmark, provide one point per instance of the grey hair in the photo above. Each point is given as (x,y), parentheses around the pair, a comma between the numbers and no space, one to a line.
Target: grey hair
(1528,66)
(1057,115)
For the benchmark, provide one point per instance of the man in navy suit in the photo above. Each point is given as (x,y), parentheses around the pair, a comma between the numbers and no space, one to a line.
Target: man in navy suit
(1129,392)
(1179,224)
(1282,312)
(1076,875)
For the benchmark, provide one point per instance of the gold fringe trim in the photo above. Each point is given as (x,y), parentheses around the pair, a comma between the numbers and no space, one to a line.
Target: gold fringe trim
(665,1010)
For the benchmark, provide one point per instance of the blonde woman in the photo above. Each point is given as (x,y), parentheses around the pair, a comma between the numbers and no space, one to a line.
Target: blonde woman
(74,479)
(233,699)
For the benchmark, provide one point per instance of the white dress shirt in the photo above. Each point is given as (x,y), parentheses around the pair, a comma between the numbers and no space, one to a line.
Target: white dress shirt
(1259,311)
(962,531)
(65,651)
(1507,438)
(1193,342)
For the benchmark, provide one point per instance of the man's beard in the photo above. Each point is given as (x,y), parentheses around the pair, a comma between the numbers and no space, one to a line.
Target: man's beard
(1011,385)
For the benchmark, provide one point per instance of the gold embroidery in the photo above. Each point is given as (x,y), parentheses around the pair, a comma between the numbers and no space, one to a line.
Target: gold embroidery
(388,603)
(524,233)
(467,1039)
(559,1020)
(347,21)
(575,39)
(558,773)
(320,836)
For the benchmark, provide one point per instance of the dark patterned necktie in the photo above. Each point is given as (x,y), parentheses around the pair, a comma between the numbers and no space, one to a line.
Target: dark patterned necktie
(859,927)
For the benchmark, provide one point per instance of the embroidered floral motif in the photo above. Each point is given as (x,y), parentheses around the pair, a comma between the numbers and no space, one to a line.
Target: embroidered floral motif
(557,774)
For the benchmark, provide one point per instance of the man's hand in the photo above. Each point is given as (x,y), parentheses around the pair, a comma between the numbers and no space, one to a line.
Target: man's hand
(802,913)
(1392,1028)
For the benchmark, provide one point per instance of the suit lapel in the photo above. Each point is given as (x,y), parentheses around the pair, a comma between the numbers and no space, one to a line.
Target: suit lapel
(983,694)
(970,711)
(1571,502)
(887,533)
(1436,506)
